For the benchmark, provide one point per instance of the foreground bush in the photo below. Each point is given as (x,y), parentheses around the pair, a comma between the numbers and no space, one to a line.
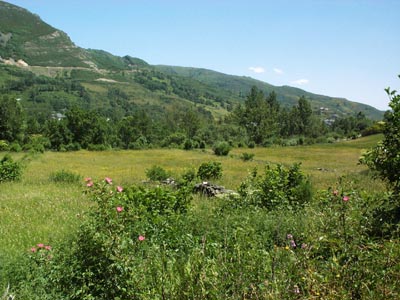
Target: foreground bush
(277,187)
(150,243)
(10,170)
(210,170)
(157,173)
(222,148)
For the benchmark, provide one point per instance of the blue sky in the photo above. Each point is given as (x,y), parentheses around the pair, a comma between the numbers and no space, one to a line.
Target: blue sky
(341,48)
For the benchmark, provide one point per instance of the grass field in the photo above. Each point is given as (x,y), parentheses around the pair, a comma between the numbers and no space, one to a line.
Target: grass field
(37,210)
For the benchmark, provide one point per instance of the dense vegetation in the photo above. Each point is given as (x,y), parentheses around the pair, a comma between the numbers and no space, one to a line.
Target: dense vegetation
(305,223)
(62,114)
(276,239)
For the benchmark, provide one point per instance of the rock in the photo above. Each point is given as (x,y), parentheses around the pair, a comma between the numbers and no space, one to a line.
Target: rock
(211,190)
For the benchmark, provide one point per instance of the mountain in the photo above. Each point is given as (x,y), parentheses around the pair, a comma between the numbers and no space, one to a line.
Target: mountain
(34,46)
(287,95)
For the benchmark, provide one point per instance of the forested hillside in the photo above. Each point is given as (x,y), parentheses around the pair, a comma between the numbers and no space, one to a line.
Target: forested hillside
(64,97)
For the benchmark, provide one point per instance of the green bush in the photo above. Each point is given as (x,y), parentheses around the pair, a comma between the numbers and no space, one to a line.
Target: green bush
(277,187)
(65,177)
(247,156)
(188,144)
(222,148)
(4,145)
(210,170)
(15,147)
(157,173)
(120,238)
(98,147)
(9,169)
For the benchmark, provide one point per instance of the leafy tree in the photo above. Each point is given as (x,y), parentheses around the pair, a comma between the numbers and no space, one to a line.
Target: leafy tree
(58,133)
(385,157)
(11,119)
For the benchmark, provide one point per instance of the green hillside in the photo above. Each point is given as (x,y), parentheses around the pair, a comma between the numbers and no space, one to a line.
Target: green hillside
(49,52)
(288,96)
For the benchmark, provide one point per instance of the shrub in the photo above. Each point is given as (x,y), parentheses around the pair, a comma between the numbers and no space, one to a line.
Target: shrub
(221,148)
(189,175)
(10,170)
(251,145)
(65,177)
(73,147)
(121,236)
(210,170)
(98,147)
(15,147)
(188,144)
(157,173)
(202,145)
(278,187)
(4,145)
(247,156)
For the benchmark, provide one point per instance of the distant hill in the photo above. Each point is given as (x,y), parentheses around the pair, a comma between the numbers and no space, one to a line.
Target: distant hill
(287,95)
(31,44)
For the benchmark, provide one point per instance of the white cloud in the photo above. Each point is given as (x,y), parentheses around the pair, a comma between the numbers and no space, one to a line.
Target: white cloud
(257,70)
(301,81)
(278,71)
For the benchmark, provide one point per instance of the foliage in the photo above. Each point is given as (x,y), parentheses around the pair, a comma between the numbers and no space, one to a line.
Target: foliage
(245,156)
(11,119)
(64,176)
(385,157)
(157,173)
(222,148)
(119,239)
(10,170)
(4,145)
(140,243)
(210,170)
(278,187)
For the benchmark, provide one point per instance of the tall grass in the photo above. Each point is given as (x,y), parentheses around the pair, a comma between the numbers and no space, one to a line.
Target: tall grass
(38,210)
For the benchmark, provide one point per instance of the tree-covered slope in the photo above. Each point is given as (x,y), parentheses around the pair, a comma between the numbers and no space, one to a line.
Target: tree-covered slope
(288,96)
(50,52)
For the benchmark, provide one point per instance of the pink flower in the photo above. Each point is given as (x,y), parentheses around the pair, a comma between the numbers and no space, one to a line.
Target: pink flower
(289,236)
(119,189)
(346,198)
(108,180)
(33,249)
(120,208)
(89,184)
(88,179)
(335,192)
(48,247)
(40,245)
(141,238)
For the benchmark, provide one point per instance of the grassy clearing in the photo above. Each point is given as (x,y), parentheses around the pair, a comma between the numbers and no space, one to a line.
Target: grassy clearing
(37,210)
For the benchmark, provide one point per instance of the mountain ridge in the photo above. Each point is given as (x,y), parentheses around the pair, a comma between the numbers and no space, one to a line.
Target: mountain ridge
(24,37)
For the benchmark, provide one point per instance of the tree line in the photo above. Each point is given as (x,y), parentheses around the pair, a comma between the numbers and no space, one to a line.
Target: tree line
(60,114)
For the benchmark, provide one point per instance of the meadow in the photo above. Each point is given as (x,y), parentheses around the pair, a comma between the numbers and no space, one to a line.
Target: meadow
(39,210)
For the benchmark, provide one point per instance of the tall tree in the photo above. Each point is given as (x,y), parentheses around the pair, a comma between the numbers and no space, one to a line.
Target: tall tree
(11,119)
